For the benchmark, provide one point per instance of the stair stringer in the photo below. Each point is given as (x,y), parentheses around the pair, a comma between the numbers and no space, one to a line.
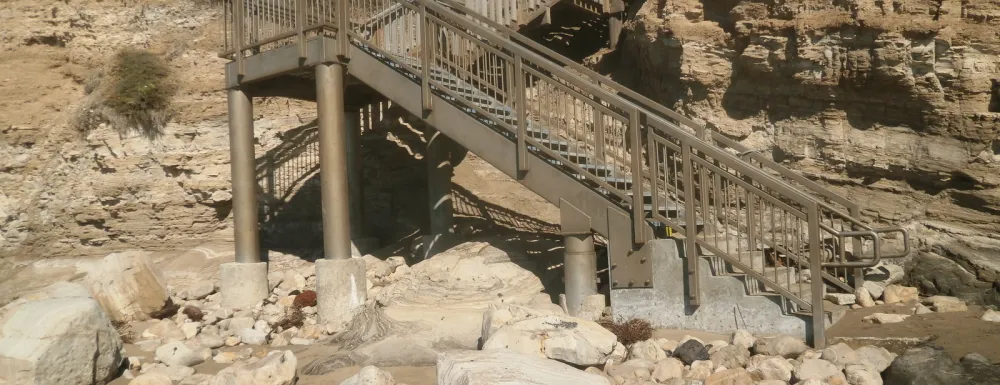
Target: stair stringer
(725,304)
(543,178)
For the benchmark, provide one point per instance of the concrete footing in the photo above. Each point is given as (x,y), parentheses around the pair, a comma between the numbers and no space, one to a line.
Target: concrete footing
(341,289)
(242,285)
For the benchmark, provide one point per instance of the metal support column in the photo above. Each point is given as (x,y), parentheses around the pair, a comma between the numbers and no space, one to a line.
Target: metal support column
(355,173)
(580,267)
(439,172)
(243,166)
(333,149)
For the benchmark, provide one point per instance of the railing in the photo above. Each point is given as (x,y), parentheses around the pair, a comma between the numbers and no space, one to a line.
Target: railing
(757,217)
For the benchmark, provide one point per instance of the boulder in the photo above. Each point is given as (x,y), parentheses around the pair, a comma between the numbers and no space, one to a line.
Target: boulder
(991,316)
(896,294)
(508,367)
(59,336)
(253,336)
(937,275)
(841,298)
(668,368)
(875,289)
(841,355)
(884,318)
(232,356)
(395,351)
(181,354)
(737,376)
(196,379)
(560,337)
(877,357)
(772,368)
(174,373)
(864,298)
(370,375)
(201,290)
(921,309)
(785,346)
(151,379)
(699,370)
(944,304)
(165,331)
(743,338)
(731,356)
(690,351)
(635,369)
(278,368)
(127,285)
(814,369)
(924,366)
(862,375)
(648,350)
(592,308)
(885,274)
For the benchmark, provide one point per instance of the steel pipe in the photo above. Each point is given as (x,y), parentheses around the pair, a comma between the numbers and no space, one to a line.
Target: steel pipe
(333,163)
(243,165)
(580,267)
(355,166)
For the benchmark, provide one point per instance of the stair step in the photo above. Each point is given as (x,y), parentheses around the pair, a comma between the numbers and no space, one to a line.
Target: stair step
(553,144)
(575,156)
(598,169)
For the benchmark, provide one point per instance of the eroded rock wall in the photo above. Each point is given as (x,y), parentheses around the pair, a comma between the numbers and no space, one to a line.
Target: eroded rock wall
(893,103)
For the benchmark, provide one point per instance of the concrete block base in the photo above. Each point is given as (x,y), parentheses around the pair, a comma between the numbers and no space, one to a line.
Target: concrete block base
(242,285)
(341,289)
(725,304)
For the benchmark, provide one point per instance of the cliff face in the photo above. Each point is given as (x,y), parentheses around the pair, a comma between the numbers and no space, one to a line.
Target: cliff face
(893,103)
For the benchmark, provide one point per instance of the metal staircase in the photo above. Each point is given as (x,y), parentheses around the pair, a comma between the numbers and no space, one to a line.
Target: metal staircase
(634,169)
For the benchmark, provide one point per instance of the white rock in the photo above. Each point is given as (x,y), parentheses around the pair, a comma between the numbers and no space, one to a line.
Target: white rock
(232,340)
(735,376)
(300,341)
(560,337)
(864,298)
(885,318)
(59,336)
(592,308)
(841,355)
(632,369)
(252,337)
(896,294)
(743,338)
(196,379)
(944,304)
(668,345)
(648,350)
(877,357)
(772,368)
(237,324)
(504,366)
(164,330)
(149,345)
(293,281)
(262,326)
(151,379)
(921,309)
(279,340)
(874,288)
(278,368)
(174,373)
(885,274)
(127,285)
(862,375)
(668,368)
(370,375)
(814,369)
(191,329)
(201,290)
(991,316)
(232,356)
(785,346)
(772,382)
(180,354)
(841,298)
(211,340)
(699,370)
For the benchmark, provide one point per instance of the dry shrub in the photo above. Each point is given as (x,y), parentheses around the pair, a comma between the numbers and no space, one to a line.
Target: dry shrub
(629,332)
(124,331)
(133,94)
(168,310)
(193,313)
(305,299)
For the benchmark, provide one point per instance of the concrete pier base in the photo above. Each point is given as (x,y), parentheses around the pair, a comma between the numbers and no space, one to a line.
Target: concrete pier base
(341,290)
(242,285)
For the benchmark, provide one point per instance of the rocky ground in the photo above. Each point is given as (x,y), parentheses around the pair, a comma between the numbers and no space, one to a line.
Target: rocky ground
(478,313)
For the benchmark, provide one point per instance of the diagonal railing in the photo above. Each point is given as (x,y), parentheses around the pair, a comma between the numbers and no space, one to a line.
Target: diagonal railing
(636,153)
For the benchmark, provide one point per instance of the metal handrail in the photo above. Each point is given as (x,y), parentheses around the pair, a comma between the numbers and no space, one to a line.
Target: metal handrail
(750,193)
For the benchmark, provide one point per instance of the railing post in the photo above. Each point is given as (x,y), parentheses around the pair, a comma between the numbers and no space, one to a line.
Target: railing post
(638,200)
(522,117)
(426,48)
(343,26)
(816,266)
(690,221)
(300,25)
(239,35)
(859,273)
(599,133)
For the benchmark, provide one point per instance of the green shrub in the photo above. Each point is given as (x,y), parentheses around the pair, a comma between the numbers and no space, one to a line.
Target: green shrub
(133,94)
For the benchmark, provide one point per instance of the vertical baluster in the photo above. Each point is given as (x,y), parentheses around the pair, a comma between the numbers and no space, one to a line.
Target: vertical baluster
(690,241)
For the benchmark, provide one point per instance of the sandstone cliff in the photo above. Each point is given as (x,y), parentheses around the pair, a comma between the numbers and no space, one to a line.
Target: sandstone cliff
(893,103)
